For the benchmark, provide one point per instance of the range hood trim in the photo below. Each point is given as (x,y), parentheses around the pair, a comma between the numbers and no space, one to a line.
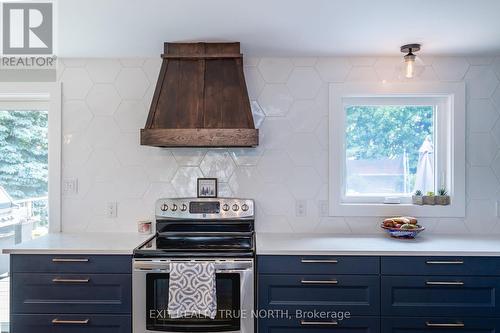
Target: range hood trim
(200,137)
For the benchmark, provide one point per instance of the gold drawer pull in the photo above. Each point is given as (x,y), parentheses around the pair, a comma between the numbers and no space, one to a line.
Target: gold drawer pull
(70,322)
(319,261)
(70,259)
(319,281)
(318,323)
(458,324)
(444,262)
(61,280)
(444,283)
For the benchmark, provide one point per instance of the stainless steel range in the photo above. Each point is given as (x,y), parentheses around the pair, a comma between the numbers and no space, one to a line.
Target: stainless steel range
(220,230)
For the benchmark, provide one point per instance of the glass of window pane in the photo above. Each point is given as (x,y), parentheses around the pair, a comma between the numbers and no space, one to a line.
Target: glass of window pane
(389,150)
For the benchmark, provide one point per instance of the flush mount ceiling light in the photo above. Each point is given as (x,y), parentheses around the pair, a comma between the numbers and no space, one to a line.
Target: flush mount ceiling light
(410,59)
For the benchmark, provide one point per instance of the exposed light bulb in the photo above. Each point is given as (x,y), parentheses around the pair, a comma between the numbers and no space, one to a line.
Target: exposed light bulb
(410,65)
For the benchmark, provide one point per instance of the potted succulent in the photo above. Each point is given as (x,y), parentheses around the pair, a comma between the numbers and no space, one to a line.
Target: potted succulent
(429,198)
(416,198)
(442,198)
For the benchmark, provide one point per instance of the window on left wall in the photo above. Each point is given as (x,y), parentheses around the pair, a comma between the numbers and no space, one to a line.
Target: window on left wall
(24,171)
(30,170)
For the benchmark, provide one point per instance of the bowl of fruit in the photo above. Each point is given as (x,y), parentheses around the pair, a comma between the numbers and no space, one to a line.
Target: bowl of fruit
(402,227)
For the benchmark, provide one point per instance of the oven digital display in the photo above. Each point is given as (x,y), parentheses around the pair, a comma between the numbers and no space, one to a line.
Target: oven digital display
(197,207)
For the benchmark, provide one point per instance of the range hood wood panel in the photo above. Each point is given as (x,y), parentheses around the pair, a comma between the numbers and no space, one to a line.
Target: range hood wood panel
(201,99)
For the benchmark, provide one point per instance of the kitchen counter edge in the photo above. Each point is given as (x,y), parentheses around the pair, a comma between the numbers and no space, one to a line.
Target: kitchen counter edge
(377,245)
(80,243)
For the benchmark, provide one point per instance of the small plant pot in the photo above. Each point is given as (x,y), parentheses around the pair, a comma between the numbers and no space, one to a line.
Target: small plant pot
(429,199)
(442,200)
(417,200)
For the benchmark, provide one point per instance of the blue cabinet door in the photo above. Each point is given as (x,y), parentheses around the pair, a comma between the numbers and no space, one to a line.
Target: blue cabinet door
(477,266)
(440,324)
(71,293)
(318,265)
(351,325)
(64,263)
(71,324)
(360,295)
(440,296)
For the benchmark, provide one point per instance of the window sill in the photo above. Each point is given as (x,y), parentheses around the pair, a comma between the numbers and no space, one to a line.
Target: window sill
(356,209)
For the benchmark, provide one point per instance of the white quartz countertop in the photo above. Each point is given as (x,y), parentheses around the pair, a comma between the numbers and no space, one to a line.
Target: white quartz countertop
(82,243)
(377,245)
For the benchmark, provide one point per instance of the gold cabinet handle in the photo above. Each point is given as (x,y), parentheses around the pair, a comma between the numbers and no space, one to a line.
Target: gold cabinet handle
(70,322)
(444,283)
(457,324)
(62,280)
(444,262)
(319,281)
(70,259)
(319,261)
(318,323)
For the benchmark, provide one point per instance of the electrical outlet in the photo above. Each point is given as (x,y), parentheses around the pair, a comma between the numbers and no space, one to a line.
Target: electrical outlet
(300,208)
(70,186)
(323,208)
(111,210)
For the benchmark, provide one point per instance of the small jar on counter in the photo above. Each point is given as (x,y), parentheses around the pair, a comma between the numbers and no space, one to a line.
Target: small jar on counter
(144,227)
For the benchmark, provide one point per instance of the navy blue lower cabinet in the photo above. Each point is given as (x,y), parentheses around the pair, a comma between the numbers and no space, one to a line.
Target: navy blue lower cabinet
(71,293)
(71,323)
(440,324)
(318,265)
(475,266)
(64,263)
(358,294)
(440,296)
(351,325)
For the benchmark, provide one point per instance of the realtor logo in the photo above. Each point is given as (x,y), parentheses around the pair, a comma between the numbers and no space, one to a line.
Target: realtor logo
(27,28)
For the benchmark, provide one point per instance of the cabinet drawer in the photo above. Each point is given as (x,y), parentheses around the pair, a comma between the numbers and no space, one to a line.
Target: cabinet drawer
(446,324)
(360,295)
(440,296)
(351,325)
(440,266)
(69,293)
(318,265)
(41,263)
(71,323)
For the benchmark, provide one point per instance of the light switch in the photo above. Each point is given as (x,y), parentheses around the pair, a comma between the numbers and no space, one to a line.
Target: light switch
(111,210)
(70,186)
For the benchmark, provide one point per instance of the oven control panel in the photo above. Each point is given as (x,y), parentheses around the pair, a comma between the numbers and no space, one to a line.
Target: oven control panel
(204,208)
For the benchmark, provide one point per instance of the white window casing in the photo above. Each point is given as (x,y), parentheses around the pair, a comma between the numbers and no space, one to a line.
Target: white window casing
(43,95)
(449,122)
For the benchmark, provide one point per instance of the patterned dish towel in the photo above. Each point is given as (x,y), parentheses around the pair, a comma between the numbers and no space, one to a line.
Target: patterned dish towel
(192,290)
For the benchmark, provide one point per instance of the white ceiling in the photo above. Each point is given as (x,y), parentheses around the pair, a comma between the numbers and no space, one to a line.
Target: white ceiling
(127,28)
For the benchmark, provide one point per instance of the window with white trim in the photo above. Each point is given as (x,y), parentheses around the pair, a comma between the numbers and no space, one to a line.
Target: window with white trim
(388,141)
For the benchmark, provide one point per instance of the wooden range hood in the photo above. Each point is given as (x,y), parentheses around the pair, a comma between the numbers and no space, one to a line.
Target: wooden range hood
(201,99)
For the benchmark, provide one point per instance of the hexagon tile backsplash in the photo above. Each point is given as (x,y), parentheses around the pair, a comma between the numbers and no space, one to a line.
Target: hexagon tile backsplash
(105,103)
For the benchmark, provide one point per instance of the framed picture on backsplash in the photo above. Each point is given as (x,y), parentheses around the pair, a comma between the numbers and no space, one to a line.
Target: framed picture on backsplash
(207,188)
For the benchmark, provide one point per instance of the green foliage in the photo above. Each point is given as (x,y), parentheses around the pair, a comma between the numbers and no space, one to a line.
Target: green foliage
(418,193)
(430,194)
(24,153)
(388,132)
(375,132)
(442,191)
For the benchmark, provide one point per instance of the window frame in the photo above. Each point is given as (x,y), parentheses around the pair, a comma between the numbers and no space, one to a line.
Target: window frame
(449,142)
(47,95)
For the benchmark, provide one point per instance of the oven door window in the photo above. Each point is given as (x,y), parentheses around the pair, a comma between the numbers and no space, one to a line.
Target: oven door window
(228,306)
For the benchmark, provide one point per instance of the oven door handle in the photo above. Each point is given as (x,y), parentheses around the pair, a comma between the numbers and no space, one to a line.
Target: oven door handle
(167,270)
(220,267)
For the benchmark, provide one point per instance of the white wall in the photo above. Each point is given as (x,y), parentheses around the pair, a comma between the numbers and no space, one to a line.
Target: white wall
(105,104)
